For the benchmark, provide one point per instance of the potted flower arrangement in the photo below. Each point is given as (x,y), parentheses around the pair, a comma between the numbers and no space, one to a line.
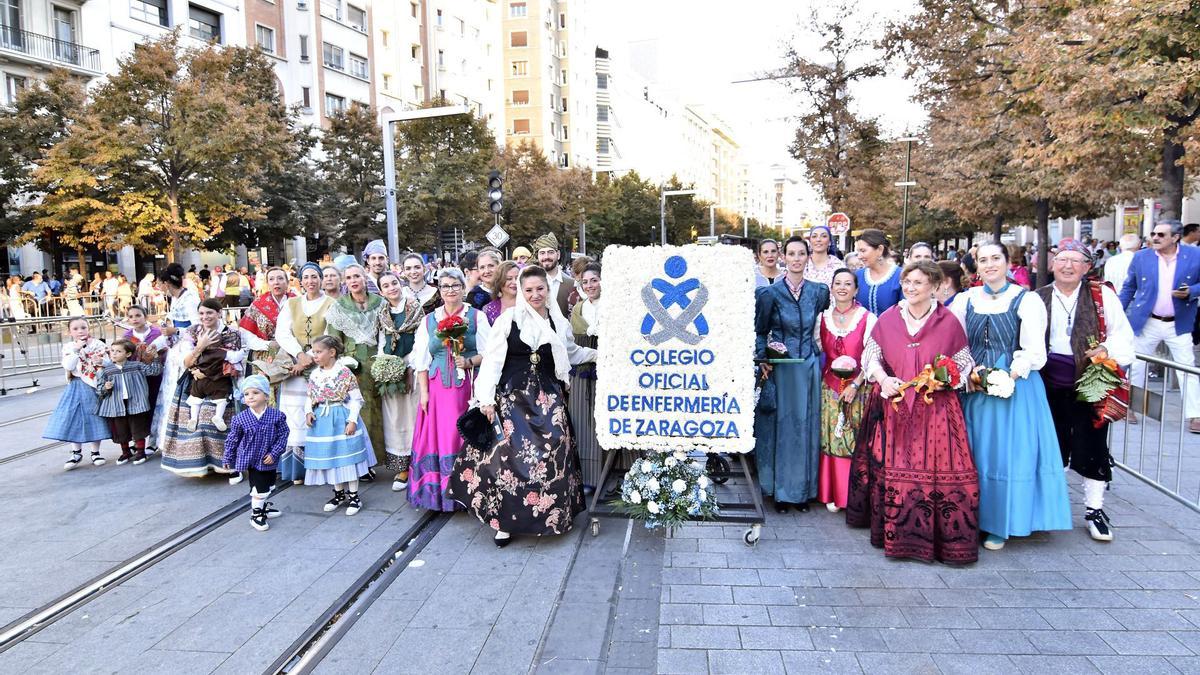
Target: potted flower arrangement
(666,489)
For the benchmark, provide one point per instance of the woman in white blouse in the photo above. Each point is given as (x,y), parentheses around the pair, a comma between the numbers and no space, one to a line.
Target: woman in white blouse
(301,320)
(1022,488)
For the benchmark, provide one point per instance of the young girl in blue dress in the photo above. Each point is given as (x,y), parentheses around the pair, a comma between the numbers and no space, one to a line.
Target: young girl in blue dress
(74,419)
(335,449)
(1022,488)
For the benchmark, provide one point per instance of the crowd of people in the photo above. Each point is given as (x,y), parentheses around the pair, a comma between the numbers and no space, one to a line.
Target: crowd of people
(471,387)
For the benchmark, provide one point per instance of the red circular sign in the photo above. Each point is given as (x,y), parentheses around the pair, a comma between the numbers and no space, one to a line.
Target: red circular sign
(839,223)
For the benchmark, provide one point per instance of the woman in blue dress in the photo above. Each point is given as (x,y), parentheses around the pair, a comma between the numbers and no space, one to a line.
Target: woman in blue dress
(879,277)
(1022,488)
(787,437)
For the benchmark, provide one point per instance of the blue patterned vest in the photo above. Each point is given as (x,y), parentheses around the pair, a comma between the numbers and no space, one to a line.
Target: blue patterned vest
(442,365)
(994,337)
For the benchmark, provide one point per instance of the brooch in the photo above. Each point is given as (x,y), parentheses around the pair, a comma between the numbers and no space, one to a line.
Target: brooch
(535,358)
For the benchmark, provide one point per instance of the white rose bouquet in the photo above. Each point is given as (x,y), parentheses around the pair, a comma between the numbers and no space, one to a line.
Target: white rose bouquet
(665,489)
(994,382)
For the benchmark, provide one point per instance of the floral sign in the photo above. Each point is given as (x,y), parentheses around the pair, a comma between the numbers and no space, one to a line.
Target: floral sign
(675,366)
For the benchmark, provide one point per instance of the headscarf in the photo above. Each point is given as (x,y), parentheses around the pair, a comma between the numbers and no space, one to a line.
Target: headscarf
(521,251)
(545,241)
(833,249)
(375,247)
(258,382)
(1077,246)
(310,266)
(343,261)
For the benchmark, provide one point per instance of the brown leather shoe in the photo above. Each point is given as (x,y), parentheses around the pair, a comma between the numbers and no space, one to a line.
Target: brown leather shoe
(1194,425)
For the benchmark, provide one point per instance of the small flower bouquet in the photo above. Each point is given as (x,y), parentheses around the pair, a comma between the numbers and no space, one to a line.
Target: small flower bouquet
(666,489)
(942,374)
(1105,386)
(390,374)
(451,331)
(994,382)
(845,368)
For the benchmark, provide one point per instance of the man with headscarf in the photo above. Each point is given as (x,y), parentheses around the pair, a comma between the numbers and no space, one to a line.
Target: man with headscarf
(376,261)
(1082,313)
(545,248)
(1159,296)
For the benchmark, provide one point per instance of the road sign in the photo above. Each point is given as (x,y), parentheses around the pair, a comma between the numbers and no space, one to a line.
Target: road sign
(497,236)
(839,223)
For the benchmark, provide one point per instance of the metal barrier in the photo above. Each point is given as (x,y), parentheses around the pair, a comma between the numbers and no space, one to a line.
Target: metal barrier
(31,349)
(1157,405)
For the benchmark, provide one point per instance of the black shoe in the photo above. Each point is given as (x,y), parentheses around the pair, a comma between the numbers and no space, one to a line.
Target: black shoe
(781,507)
(97,460)
(368,477)
(270,511)
(501,543)
(802,508)
(126,455)
(339,498)
(353,503)
(1098,525)
(258,519)
(76,458)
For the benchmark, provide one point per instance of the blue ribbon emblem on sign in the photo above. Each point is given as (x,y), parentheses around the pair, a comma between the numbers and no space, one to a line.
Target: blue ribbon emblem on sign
(660,295)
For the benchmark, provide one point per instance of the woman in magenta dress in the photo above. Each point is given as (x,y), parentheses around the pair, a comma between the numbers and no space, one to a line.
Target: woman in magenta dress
(843,330)
(913,480)
(504,290)
(443,394)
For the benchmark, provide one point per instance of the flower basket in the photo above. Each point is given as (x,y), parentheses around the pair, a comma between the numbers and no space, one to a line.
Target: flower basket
(667,489)
(390,374)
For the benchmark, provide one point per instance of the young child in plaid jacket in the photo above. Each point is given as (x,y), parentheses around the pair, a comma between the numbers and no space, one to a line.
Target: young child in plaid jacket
(257,438)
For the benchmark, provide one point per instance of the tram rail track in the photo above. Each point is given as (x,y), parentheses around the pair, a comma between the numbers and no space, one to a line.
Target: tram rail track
(27,418)
(48,614)
(305,653)
(30,452)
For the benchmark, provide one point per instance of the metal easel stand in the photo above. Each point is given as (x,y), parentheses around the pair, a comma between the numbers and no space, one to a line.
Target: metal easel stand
(752,513)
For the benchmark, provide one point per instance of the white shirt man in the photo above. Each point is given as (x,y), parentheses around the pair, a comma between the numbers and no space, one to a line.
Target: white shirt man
(1116,268)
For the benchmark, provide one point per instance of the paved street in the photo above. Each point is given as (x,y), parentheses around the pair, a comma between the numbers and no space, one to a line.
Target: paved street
(812,596)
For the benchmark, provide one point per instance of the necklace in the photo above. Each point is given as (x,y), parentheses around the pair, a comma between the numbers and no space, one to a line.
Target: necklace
(1070,313)
(908,311)
(838,312)
(995,294)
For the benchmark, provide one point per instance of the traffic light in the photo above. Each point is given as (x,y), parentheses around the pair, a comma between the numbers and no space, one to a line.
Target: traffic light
(495,192)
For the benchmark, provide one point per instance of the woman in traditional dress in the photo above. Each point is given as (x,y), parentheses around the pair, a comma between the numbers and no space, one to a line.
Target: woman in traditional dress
(504,291)
(412,266)
(444,388)
(183,307)
(844,328)
(767,270)
(398,329)
(585,326)
(189,452)
(354,320)
(1022,488)
(879,278)
(912,479)
(786,442)
(824,261)
(259,320)
(331,282)
(301,320)
(528,481)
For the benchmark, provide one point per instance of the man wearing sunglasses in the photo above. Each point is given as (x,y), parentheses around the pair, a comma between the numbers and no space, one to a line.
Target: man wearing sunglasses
(1159,297)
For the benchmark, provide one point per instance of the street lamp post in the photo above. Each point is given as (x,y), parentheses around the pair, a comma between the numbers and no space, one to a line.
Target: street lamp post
(712,219)
(907,183)
(389,163)
(662,209)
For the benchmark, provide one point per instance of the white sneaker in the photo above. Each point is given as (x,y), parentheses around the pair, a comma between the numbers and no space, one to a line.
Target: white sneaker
(399,485)
(97,460)
(993,543)
(1098,525)
(236,478)
(76,458)
(833,508)
(258,520)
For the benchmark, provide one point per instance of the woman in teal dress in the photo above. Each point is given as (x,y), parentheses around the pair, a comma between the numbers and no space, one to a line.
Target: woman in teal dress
(1022,488)
(787,439)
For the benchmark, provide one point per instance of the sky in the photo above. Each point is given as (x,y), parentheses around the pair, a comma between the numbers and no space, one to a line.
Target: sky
(705,45)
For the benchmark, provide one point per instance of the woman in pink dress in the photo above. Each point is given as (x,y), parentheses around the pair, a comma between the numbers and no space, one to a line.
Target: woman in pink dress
(913,480)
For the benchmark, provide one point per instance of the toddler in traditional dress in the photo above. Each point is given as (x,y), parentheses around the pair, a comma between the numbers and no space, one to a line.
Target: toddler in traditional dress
(257,437)
(335,449)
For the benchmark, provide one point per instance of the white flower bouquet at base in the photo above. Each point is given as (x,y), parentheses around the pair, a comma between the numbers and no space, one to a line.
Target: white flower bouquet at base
(994,382)
(390,374)
(667,489)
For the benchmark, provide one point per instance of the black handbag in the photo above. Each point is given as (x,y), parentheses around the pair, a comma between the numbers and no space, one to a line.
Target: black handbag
(476,430)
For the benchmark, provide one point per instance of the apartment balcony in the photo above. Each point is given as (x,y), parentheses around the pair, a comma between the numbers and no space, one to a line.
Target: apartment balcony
(43,50)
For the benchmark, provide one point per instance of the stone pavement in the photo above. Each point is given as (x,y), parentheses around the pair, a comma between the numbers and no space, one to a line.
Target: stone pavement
(812,596)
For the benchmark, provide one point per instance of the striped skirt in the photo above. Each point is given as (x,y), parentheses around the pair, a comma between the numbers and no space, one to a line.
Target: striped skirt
(192,453)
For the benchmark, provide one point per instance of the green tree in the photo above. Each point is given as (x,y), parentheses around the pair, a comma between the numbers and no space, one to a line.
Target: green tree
(353,204)
(171,148)
(441,176)
(624,211)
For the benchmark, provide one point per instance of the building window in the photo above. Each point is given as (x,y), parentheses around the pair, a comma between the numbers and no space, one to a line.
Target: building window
(564,76)
(520,68)
(305,97)
(442,95)
(563,162)
(302,5)
(303,49)
(332,9)
(64,34)
(601,113)
(415,52)
(602,145)
(358,67)
(334,104)
(564,104)
(562,20)
(518,10)
(356,17)
(335,57)
(441,60)
(415,7)
(520,97)
(518,38)
(387,82)
(520,126)
(384,35)
(439,19)
(13,86)
(601,80)
(264,37)
(151,11)
(203,24)
(462,28)
(417,95)
(566,136)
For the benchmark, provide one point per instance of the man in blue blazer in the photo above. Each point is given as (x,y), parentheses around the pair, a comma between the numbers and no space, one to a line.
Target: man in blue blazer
(1159,297)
